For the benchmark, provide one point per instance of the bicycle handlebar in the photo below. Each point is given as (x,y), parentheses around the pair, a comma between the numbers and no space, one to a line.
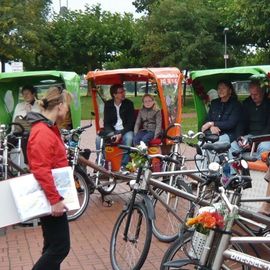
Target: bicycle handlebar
(78,129)
(141,151)
(179,138)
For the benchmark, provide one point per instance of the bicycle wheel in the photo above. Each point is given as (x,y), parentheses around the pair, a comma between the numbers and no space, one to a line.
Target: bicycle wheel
(166,225)
(131,253)
(183,250)
(81,183)
(179,249)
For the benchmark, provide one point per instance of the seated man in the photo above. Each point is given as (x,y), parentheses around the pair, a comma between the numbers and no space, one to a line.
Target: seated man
(119,118)
(29,104)
(255,120)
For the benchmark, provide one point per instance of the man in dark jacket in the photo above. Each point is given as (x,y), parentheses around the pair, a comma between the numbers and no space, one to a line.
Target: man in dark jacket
(255,120)
(119,118)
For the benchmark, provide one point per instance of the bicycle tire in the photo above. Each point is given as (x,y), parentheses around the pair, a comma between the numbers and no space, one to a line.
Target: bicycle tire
(180,250)
(82,186)
(174,249)
(165,225)
(121,250)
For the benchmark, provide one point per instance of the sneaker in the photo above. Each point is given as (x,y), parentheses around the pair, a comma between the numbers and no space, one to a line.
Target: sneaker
(123,170)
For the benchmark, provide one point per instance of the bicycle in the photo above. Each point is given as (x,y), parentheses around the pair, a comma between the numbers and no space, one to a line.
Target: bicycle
(166,225)
(186,254)
(11,151)
(132,232)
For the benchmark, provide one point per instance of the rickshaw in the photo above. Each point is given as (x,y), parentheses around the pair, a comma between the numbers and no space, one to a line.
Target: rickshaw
(10,95)
(164,83)
(204,81)
(11,83)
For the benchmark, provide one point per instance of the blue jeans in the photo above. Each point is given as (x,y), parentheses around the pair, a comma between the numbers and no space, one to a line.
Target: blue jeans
(143,135)
(262,147)
(127,139)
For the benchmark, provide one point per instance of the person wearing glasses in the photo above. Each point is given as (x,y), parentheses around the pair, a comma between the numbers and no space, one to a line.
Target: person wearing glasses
(119,118)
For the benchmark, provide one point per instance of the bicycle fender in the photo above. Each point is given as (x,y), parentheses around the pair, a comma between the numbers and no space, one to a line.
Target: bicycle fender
(149,206)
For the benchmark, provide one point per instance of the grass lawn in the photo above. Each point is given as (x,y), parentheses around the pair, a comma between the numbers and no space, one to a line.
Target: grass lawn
(189,123)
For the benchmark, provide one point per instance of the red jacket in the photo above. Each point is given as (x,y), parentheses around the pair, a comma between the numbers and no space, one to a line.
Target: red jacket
(46,151)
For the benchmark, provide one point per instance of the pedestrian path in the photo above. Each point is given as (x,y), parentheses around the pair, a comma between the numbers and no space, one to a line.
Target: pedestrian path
(20,247)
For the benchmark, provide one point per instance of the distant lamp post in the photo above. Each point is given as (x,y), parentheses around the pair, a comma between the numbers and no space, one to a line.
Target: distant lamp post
(226,56)
(63,9)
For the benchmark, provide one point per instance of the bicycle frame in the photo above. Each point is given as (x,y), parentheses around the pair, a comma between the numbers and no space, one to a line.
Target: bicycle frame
(223,252)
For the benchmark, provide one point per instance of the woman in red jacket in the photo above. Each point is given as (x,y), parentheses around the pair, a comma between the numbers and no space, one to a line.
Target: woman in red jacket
(45,152)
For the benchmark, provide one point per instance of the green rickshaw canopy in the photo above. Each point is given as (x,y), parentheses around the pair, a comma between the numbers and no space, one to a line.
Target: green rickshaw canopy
(11,82)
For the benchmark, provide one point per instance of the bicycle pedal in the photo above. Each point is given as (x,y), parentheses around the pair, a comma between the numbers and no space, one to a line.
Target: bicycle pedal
(107,203)
(80,190)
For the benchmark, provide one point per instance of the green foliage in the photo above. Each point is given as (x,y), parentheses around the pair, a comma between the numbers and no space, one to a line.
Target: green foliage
(179,34)
(137,160)
(145,5)
(83,41)
(248,36)
(21,23)
(183,33)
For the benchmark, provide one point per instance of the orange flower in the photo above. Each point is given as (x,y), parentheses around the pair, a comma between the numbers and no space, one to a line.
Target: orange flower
(207,220)
(192,221)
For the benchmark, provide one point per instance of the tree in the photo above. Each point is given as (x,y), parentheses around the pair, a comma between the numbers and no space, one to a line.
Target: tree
(83,41)
(20,23)
(145,5)
(182,33)
(249,23)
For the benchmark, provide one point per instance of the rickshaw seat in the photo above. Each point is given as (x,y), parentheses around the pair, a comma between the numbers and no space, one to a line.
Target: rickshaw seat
(260,165)
(156,141)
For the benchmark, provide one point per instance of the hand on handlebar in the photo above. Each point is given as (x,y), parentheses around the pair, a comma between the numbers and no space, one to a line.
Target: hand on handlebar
(215,130)
(116,138)
(243,142)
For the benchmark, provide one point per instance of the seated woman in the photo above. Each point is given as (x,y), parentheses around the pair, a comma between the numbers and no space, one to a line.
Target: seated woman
(224,113)
(29,94)
(30,104)
(148,123)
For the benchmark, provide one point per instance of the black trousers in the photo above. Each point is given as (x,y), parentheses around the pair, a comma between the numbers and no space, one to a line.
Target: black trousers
(56,242)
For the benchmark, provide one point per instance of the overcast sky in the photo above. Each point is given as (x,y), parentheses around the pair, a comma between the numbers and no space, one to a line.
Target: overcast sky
(109,5)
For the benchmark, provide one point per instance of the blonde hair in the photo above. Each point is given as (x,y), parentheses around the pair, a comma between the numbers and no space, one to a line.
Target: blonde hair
(155,106)
(54,97)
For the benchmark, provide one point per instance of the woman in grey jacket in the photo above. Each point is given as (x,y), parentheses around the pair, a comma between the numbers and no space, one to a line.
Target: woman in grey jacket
(148,123)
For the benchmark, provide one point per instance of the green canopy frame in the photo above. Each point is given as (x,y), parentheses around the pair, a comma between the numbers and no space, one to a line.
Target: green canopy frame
(10,84)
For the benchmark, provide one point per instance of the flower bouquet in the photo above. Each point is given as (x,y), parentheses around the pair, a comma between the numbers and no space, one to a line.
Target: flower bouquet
(203,223)
(137,159)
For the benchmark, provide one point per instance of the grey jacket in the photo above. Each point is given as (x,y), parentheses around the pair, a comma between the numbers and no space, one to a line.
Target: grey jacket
(150,120)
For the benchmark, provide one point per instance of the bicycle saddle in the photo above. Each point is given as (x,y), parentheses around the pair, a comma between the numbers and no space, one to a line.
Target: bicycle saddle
(105,134)
(237,181)
(218,147)
(211,137)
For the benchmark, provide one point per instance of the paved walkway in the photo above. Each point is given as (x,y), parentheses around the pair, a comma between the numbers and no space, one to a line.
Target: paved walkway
(90,238)
(20,247)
